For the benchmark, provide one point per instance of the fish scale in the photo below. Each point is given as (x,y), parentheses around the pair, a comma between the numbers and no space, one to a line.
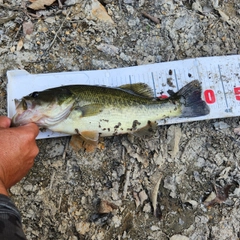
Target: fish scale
(219,76)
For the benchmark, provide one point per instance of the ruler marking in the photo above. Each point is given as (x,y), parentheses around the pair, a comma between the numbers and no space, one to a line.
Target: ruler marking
(154,87)
(175,75)
(130,79)
(198,73)
(225,97)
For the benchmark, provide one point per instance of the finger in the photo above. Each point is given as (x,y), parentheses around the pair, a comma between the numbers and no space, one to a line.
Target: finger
(5,122)
(30,128)
(35,151)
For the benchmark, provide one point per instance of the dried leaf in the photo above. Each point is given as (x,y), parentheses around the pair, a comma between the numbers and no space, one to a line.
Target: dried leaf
(20,45)
(106,207)
(12,49)
(7,19)
(77,142)
(27,28)
(137,200)
(40,4)
(220,195)
(98,11)
(237,130)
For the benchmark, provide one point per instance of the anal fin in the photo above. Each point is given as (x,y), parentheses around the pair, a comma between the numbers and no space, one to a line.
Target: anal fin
(146,131)
(90,135)
(78,142)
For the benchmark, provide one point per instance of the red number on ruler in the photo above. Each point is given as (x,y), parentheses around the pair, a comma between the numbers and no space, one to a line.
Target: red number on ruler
(210,96)
(237,93)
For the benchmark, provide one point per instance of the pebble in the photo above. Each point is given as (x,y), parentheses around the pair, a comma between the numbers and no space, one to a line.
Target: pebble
(154,228)
(197,6)
(179,237)
(170,183)
(147,208)
(82,227)
(220,125)
(142,196)
(108,49)
(116,220)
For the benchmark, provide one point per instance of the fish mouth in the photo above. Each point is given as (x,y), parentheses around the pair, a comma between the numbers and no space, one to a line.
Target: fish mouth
(42,120)
(20,120)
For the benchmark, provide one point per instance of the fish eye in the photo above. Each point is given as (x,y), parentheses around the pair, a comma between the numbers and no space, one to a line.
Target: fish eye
(24,105)
(34,94)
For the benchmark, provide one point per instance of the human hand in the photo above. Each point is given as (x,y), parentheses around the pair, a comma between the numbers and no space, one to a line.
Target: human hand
(17,152)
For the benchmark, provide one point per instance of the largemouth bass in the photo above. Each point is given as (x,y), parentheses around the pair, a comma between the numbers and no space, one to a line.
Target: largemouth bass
(94,111)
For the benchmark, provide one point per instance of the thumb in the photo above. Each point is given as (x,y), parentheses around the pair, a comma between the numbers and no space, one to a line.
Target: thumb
(5,122)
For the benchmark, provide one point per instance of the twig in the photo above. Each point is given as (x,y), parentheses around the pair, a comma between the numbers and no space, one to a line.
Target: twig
(120,6)
(60,4)
(58,31)
(60,202)
(66,148)
(52,179)
(155,194)
(125,188)
(9,7)
(7,19)
(154,19)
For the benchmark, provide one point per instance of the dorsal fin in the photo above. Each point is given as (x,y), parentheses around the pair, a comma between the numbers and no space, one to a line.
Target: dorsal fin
(141,89)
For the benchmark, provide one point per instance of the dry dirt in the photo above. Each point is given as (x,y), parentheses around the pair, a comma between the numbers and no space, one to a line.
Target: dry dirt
(112,193)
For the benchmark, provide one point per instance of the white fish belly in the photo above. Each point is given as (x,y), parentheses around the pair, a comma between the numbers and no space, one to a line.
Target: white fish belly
(114,121)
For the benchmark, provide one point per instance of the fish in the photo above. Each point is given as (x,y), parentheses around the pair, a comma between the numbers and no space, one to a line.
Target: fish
(99,111)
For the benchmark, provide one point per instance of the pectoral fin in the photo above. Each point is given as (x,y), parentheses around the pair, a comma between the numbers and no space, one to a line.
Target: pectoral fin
(78,142)
(91,110)
(90,135)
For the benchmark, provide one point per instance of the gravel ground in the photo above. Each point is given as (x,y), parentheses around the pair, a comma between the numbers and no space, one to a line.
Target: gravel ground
(182,183)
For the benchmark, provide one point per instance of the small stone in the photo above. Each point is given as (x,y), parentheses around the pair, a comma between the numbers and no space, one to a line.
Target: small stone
(28,187)
(50,20)
(237,192)
(133,22)
(154,228)
(220,125)
(179,237)
(193,203)
(115,195)
(196,6)
(82,227)
(125,57)
(56,150)
(128,1)
(200,162)
(147,208)
(170,183)
(16,190)
(116,221)
(142,196)
(108,49)
(237,130)
(70,2)
(210,198)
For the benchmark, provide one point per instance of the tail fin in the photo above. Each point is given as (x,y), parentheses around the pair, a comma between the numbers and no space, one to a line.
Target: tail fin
(190,96)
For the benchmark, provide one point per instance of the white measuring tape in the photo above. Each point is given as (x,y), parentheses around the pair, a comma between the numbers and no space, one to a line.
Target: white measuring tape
(220,78)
